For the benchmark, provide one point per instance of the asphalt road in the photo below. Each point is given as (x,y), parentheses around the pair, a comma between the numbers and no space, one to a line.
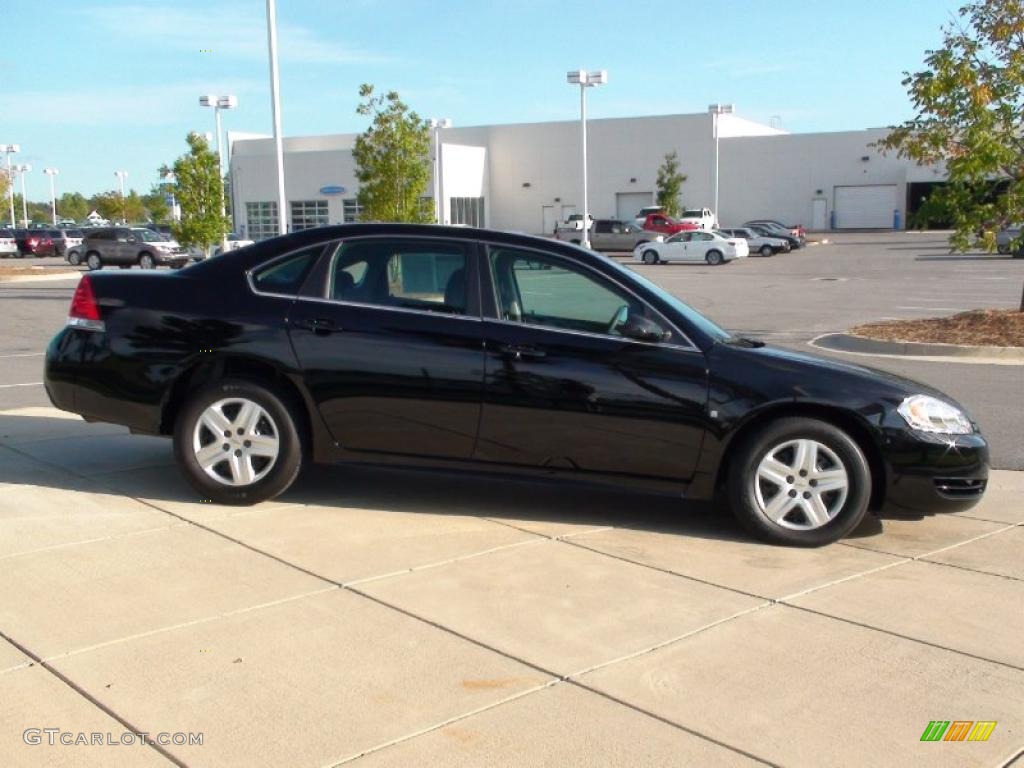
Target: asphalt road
(786,300)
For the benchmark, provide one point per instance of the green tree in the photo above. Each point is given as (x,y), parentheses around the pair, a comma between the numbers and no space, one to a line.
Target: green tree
(969,101)
(670,184)
(392,160)
(107,204)
(5,190)
(197,187)
(72,205)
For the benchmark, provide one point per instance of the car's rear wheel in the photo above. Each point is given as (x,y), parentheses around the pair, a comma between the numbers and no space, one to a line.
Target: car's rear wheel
(766,250)
(799,481)
(146,261)
(93,261)
(714,258)
(650,256)
(237,442)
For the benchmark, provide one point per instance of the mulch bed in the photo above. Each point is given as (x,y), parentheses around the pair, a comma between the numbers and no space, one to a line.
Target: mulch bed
(978,327)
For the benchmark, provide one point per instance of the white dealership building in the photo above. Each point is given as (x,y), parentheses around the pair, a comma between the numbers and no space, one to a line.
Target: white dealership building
(525,177)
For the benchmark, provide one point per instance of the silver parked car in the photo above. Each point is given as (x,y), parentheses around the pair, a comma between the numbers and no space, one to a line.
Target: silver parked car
(611,235)
(758,243)
(127,246)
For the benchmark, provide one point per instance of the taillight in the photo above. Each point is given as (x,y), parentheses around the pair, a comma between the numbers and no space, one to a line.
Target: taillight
(85,312)
(33,242)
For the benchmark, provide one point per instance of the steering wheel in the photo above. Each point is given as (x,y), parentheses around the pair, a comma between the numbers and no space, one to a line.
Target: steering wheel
(620,317)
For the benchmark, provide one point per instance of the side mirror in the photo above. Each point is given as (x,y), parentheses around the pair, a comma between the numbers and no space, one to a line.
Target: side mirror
(643,329)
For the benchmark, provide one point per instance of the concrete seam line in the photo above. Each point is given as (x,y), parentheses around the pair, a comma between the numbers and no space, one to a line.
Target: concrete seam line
(666,571)
(972,570)
(669,641)
(1014,757)
(192,623)
(112,537)
(515,527)
(909,638)
(439,563)
(673,723)
(23,665)
(851,577)
(92,699)
(967,541)
(443,723)
(23,354)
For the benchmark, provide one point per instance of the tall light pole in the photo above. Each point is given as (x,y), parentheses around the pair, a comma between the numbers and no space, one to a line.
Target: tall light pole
(51,172)
(435,127)
(10,149)
(585,80)
(170,179)
(218,103)
(275,107)
(716,110)
(121,176)
(22,170)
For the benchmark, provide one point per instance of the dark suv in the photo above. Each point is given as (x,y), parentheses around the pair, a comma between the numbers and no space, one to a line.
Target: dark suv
(34,242)
(126,246)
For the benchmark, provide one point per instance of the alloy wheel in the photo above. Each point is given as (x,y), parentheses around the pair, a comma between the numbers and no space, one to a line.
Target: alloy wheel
(235,441)
(801,484)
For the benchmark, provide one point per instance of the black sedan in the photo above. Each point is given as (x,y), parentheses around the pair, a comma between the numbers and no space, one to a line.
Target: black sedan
(454,347)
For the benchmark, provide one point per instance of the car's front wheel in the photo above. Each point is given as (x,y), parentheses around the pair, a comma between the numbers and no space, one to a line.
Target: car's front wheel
(799,481)
(146,261)
(74,258)
(237,442)
(93,261)
(650,256)
(766,250)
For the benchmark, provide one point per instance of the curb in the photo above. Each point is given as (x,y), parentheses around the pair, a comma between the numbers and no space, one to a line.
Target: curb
(30,278)
(843,342)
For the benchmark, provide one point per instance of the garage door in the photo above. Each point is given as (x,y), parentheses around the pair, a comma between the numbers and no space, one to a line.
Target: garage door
(867,207)
(628,203)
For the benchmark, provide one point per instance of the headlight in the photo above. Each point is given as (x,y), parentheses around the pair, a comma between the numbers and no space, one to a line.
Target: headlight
(929,414)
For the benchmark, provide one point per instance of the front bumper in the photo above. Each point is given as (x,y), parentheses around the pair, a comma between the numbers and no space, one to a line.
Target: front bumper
(935,473)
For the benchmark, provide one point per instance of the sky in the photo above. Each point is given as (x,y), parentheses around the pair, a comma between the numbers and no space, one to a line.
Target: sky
(96,86)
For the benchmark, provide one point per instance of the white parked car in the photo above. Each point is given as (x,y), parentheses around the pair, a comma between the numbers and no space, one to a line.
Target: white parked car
(234,242)
(762,244)
(8,245)
(702,217)
(696,246)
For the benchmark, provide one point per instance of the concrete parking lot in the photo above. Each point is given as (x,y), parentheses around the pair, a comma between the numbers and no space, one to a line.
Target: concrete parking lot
(403,618)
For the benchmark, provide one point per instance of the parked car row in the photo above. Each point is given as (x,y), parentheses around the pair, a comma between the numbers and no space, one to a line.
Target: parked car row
(19,243)
(125,247)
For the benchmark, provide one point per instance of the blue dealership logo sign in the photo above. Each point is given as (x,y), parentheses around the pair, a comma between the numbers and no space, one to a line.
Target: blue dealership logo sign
(332,189)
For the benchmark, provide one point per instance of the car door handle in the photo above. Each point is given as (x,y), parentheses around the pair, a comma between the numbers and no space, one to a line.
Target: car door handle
(521,351)
(318,325)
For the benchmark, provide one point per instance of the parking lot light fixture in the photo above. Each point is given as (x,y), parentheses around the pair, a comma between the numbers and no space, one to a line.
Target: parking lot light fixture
(121,176)
(10,149)
(51,172)
(275,108)
(218,103)
(22,170)
(716,110)
(435,129)
(584,80)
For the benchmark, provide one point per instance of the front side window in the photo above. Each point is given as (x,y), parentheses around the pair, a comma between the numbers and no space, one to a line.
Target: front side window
(286,275)
(405,274)
(543,290)
(703,236)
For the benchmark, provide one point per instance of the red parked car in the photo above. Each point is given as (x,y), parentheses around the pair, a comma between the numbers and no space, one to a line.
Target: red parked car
(659,222)
(34,242)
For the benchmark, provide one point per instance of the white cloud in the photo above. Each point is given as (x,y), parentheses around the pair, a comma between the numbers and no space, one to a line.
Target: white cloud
(238,32)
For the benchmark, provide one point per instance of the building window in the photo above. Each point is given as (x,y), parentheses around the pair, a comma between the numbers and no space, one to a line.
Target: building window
(307,214)
(351,210)
(467,210)
(262,220)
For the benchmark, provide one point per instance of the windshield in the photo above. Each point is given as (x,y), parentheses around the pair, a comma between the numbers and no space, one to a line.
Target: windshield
(692,316)
(149,236)
(693,214)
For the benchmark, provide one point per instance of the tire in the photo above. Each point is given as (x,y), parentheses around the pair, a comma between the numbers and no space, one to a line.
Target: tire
(1003,249)
(713,258)
(803,516)
(650,256)
(146,261)
(93,261)
(766,250)
(255,477)
(74,258)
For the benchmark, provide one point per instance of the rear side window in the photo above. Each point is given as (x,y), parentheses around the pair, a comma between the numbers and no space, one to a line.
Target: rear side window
(286,275)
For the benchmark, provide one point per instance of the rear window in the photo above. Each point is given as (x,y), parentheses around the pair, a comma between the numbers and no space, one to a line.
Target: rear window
(692,214)
(287,274)
(75,233)
(6,233)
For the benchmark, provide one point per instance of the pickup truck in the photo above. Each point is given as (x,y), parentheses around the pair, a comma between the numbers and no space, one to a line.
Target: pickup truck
(608,234)
(702,217)
(659,222)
